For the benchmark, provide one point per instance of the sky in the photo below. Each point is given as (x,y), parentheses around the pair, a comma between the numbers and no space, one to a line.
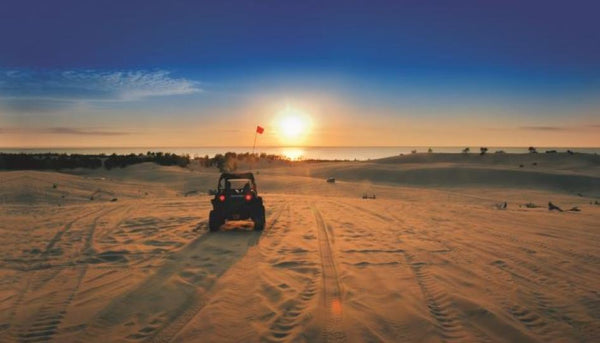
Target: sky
(369,73)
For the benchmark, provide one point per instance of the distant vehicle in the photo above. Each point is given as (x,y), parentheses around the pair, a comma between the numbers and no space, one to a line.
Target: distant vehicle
(236,198)
(331,179)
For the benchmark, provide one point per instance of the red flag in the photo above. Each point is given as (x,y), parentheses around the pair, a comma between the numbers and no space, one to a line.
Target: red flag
(260,129)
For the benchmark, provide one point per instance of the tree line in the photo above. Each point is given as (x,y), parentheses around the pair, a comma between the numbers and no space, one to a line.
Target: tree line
(55,161)
(228,162)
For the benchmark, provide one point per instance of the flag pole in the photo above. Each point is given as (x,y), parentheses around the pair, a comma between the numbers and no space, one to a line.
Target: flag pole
(254,145)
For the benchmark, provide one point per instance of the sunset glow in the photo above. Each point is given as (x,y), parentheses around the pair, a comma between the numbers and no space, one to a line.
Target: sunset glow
(293,126)
(380,77)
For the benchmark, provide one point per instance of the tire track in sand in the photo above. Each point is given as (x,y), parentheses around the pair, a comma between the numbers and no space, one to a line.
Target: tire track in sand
(450,322)
(332,291)
(272,221)
(521,271)
(57,237)
(46,321)
(167,333)
(447,319)
(121,306)
(38,278)
(439,304)
(284,323)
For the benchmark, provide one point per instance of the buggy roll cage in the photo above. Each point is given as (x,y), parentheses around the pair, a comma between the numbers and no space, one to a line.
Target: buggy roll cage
(236,176)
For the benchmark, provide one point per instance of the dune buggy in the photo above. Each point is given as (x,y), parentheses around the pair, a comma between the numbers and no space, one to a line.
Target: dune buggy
(236,198)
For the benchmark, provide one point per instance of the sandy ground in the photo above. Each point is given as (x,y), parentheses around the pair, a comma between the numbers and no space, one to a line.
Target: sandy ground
(418,264)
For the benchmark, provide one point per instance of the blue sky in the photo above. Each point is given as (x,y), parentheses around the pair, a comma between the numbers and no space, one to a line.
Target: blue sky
(197,73)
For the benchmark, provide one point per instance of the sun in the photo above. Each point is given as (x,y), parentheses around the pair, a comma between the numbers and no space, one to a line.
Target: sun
(294,125)
(291,126)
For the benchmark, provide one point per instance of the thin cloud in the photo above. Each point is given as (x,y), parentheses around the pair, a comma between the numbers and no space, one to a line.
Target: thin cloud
(63,131)
(28,105)
(92,85)
(544,128)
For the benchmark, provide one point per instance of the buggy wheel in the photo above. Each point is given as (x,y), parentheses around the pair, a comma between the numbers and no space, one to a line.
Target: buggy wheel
(259,219)
(214,221)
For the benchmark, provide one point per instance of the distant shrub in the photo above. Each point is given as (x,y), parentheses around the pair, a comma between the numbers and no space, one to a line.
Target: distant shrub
(483,150)
(230,161)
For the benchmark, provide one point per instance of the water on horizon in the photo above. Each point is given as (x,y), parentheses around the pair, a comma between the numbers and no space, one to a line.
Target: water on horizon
(294,153)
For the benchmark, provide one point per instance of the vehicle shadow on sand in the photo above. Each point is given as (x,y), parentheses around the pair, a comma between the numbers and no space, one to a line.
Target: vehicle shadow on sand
(178,289)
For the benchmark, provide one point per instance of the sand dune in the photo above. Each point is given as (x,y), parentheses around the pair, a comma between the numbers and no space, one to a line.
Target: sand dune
(555,172)
(434,263)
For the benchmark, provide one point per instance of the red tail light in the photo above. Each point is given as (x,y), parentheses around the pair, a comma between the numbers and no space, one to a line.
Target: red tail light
(222,197)
(248,197)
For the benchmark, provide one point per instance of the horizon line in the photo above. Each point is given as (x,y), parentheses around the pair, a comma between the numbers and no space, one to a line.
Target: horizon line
(296,146)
